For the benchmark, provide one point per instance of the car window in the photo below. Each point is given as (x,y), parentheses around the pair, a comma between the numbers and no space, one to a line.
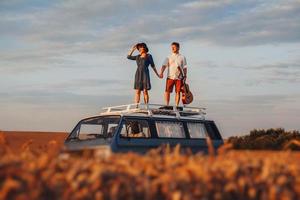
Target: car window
(99,127)
(170,129)
(135,129)
(112,127)
(197,130)
(89,131)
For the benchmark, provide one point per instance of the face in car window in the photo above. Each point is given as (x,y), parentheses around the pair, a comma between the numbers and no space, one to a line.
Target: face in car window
(135,129)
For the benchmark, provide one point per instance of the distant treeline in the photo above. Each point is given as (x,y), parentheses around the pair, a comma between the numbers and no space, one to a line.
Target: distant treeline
(270,139)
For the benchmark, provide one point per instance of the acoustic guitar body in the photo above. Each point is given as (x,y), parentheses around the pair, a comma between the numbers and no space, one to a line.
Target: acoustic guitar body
(187,96)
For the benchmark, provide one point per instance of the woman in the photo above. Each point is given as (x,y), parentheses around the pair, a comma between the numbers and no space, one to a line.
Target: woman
(142,77)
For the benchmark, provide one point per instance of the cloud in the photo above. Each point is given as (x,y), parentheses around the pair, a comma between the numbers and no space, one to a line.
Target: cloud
(205,4)
(222,23)
(93,87)
(276,72)
(112,24)
(61,99)
(45,34)
(253,103)
(90,36)
(277,66)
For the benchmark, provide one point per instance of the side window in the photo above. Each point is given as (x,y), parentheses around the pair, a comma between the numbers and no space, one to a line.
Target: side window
(135,129)
(197,130)
(90,131)
(111,129)
(99,127)
(170,129)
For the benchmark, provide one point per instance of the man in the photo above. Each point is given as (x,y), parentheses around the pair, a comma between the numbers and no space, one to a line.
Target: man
(177,71)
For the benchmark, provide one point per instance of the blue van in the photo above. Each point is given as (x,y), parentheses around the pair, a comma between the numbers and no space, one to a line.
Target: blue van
(140,127)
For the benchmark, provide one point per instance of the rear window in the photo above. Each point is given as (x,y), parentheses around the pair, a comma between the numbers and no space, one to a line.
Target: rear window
(197,130)
(170,129)
(213,131)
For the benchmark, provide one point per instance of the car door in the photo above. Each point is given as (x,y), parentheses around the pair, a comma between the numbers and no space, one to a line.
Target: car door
(93,133)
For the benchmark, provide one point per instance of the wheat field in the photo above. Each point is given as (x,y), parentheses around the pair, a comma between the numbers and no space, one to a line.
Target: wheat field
(39,169)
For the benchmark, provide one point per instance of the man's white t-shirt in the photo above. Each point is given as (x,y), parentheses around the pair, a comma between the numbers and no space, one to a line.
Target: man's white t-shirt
(172,62)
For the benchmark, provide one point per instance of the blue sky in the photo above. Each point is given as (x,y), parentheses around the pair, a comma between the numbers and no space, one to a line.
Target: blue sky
(64,60)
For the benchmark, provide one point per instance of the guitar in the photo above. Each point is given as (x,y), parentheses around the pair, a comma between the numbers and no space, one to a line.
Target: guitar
(187,95)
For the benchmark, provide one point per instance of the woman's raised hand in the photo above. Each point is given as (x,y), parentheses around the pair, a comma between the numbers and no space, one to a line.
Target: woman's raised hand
(134,47)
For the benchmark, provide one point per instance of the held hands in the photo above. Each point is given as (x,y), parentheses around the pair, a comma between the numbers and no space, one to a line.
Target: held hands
(161,75)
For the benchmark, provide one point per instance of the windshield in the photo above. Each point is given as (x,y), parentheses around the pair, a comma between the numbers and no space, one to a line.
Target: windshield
(97,127)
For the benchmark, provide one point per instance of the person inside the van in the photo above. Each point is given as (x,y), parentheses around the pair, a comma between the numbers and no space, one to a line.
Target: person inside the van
(142,76)
(135,130)
(111,131)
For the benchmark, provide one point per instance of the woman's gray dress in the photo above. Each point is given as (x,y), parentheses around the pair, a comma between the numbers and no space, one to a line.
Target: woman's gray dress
(142,76)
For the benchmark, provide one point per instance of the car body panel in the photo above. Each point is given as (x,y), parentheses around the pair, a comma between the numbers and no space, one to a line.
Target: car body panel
(117,143)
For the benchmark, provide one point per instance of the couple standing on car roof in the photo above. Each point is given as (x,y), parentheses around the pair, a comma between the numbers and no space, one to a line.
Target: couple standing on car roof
(175,64)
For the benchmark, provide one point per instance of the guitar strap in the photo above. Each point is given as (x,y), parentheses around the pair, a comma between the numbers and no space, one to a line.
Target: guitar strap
(181,72)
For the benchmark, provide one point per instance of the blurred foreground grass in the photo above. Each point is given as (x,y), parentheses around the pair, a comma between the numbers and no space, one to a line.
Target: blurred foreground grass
(161,174)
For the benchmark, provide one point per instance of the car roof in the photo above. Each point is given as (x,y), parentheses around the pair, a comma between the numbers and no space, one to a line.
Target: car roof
(153,111)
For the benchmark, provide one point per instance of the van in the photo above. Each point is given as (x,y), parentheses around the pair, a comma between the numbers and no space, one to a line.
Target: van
(141,127)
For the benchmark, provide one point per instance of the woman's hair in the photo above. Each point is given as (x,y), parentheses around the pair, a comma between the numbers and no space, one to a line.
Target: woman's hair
(139,45)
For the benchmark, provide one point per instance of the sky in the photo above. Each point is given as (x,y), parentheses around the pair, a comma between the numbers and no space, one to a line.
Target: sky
(61,61)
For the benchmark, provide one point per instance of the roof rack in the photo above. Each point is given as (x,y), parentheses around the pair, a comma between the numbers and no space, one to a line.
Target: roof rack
(156,109)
